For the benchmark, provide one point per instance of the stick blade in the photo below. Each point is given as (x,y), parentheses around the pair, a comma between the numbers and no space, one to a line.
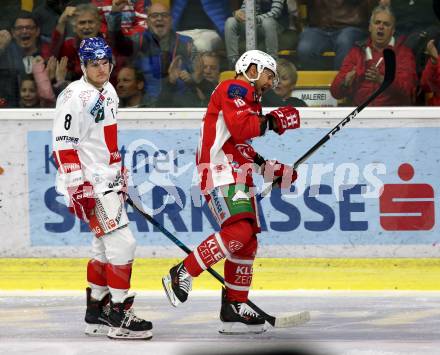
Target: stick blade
(292,320)
(390,66)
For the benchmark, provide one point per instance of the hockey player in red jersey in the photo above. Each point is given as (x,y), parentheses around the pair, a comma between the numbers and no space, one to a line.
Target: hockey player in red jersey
(91,177)
(225,161)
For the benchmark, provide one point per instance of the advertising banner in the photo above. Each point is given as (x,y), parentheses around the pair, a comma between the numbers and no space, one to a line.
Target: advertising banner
(366,187)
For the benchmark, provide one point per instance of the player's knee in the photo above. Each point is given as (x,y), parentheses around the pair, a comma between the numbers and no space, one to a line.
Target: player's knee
(246,226)
(241,231)
(100,257)
(120,247)
(249,250)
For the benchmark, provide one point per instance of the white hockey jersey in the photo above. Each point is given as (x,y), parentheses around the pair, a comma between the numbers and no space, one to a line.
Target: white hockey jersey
(85,145)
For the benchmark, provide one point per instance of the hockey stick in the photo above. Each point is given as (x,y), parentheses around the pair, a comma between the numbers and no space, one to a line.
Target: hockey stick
(390,71)
(277,322)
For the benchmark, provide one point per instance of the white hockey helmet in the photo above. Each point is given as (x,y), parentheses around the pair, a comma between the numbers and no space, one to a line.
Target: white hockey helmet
(261,59)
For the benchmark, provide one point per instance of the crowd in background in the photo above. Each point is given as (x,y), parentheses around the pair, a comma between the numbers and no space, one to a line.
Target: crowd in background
(171,53)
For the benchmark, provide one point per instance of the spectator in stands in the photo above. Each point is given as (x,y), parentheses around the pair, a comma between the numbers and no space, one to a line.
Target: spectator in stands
(28,93)
(281,95)
(130,88)
(202,20)
(332,25)
(47,15)
(362,71)
(17,50)
(155,49)
(206,75)
(57,72)
(45,93)
(10,10)
(211,67)
(268,14)
(412,15)
(172,95)
(133,16)
(431,75)
(417,21)
(86,24)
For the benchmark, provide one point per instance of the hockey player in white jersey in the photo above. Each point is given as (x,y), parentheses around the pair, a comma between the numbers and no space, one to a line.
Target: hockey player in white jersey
(91,177)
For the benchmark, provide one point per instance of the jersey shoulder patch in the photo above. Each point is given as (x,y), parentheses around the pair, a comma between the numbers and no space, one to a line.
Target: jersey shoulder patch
(237,91)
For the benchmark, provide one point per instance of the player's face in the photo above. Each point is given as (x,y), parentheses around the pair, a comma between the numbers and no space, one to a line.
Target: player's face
(98,72)
(127,85)
(381,29)
(265,82)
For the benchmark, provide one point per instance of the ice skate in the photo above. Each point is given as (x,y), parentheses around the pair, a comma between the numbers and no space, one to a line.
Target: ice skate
(177,284)
(97,315)
(239,318)
(124,324)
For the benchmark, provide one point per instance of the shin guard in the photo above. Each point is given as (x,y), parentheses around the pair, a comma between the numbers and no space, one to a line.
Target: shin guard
(239,271)
(118,277)
(97,278)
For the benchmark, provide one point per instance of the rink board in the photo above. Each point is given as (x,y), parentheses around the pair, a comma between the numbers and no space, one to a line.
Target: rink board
(335,209)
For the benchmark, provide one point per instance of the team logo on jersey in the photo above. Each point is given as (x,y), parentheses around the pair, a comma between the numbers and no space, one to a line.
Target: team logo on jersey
(236,91)
(219,168)
(109,101)
(85,97)
(97,110)
(246,150)
(99,115)
(67,94)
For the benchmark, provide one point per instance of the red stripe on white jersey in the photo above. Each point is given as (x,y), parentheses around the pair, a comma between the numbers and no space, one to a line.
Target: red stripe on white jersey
(111,140)
(67,160)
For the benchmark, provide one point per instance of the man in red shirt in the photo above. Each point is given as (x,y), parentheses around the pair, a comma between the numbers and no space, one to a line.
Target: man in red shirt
(363,68)
(225,161)
(430,81)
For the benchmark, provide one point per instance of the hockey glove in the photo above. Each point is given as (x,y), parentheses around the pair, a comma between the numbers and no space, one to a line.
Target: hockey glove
(250,154)
(82,201)
(274,169)
(283,118)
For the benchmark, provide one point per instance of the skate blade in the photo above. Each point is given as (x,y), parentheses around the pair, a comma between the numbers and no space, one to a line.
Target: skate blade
(125,334)
(232,328)
(166,283)
(96,330)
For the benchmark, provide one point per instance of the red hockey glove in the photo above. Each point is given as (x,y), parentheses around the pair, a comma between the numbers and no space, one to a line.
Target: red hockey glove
(274,169)
(82,202)
(283,118)
(250,154)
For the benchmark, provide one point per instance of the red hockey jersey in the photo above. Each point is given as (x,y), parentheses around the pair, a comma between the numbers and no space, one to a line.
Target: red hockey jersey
(231,119)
